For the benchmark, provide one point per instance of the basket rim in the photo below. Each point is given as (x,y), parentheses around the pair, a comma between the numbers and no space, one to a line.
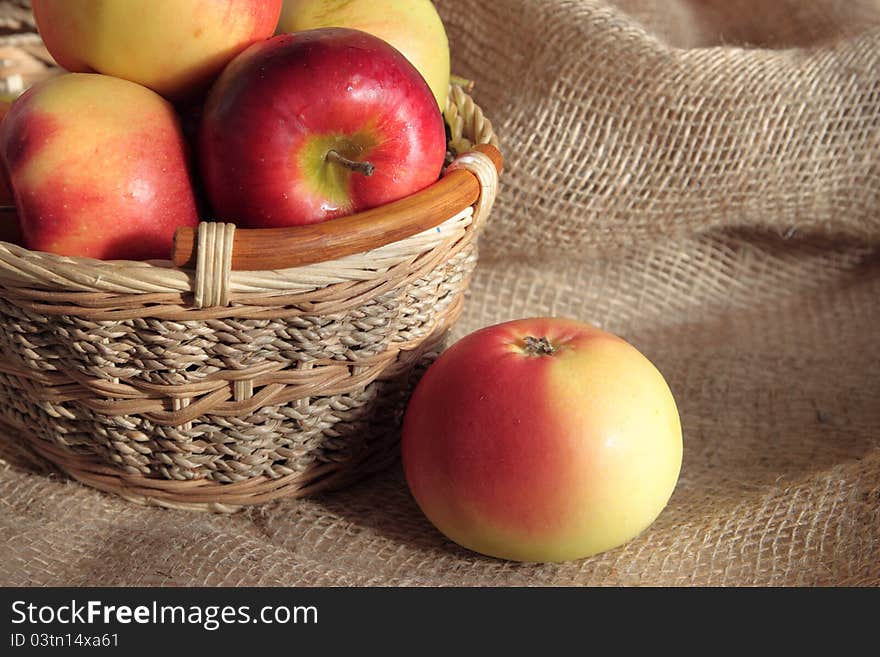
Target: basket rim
(22,268)
(289,247)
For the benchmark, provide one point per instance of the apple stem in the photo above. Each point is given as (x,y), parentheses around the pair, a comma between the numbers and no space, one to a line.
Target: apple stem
(365,168)
(538,346)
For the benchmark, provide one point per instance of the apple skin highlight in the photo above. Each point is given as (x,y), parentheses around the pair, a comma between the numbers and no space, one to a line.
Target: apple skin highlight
(279,108)
(547,457)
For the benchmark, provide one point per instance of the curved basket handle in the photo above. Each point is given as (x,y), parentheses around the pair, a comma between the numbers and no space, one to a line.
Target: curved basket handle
(283,248)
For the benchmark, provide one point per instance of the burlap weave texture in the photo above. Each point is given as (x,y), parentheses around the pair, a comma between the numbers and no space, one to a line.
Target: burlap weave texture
(701,177)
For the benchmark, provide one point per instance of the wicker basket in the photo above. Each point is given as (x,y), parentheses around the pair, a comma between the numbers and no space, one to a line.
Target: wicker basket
(211,387)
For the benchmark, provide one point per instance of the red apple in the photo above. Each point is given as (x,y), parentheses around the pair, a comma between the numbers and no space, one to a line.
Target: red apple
(314,125)
(542,440)
(98,168)
(174,47)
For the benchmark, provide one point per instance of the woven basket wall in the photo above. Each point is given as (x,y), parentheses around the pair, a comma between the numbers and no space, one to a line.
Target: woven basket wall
(191,389)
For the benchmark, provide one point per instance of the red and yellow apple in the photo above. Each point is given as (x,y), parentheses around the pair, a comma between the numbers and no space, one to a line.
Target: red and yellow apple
(542,440)
(175,47)
(412,26)
(98,167)
(310,126)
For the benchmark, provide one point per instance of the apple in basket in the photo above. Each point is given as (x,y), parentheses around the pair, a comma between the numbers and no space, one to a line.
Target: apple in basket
(306,127)
(175,47)
(98,167)
(412,26)
(542,440)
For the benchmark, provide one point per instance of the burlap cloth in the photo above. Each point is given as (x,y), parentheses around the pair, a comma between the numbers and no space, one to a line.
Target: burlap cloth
(701,177)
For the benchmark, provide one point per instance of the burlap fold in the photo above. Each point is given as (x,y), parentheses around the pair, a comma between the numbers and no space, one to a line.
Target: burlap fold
(701,177)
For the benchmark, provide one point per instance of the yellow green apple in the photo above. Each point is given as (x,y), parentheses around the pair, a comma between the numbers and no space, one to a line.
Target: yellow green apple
(98,167)
(412,26)
(175,47)
(542,440)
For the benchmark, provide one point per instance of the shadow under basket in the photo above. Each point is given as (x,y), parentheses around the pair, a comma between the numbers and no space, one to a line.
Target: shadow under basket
(265,363)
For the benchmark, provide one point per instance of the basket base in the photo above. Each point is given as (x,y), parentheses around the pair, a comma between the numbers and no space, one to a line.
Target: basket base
(200,494)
